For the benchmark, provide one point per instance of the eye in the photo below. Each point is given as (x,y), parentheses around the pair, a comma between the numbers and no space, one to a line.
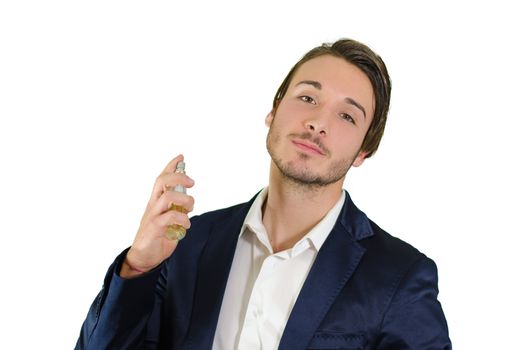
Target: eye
(348,118)
(307,99)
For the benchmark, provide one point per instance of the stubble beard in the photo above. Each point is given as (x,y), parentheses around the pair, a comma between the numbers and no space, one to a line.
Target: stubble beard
(302,176)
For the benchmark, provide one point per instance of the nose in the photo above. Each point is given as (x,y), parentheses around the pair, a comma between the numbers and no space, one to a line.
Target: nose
(317,125)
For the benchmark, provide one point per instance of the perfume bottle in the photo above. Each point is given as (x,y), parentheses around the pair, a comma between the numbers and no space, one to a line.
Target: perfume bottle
(177,232)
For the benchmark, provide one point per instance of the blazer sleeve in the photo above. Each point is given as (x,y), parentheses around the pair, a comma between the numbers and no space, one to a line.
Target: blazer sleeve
(414,319)
(125,314)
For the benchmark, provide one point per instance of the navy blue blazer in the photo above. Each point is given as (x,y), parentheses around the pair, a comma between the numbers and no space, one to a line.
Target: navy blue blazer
(365,290)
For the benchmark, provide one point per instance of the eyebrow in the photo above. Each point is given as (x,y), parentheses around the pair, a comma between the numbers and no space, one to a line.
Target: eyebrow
(348,100)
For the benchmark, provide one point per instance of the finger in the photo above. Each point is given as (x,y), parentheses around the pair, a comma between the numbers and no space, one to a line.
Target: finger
(170,198)
(172,218)
(164,182)
(171,167)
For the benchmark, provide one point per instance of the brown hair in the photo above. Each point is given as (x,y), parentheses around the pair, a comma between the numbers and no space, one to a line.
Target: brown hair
(372,65)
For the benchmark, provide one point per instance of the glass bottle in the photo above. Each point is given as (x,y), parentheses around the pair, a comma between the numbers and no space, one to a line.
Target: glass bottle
(175,231)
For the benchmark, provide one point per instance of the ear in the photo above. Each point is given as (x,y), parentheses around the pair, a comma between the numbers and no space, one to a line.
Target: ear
(269,118)
(360,158)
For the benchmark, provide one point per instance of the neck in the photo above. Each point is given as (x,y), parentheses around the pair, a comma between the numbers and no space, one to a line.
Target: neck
(291,209)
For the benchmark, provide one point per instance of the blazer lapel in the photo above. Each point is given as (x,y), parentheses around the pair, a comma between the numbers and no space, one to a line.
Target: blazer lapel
(213,271)
(336,261)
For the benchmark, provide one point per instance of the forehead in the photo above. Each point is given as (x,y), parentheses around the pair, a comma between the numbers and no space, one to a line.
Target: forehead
(338,78)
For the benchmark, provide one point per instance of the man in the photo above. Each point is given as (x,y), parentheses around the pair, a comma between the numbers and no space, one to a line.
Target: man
(297,267)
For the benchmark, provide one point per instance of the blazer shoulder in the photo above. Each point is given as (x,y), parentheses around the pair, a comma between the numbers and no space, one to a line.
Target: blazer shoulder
(411,315)
(390,252)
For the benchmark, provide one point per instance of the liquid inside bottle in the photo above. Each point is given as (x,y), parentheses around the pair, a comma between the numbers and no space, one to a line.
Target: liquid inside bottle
(176,231)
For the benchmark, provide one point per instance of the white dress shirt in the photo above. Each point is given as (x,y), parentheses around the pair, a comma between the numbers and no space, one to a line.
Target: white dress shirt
(263,286)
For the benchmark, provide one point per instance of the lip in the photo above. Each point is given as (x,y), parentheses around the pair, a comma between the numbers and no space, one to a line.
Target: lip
(308,146)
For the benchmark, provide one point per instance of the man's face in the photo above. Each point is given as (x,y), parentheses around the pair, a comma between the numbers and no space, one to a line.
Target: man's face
(317,129)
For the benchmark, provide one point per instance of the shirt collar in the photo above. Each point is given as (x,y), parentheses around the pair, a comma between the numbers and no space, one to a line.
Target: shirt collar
(316,236)
(320,232)
(253,219)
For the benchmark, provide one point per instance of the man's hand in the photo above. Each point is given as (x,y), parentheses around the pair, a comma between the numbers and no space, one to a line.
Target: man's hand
(151,247)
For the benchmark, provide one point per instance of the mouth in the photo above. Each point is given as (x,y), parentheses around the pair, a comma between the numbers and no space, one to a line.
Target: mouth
(308,147)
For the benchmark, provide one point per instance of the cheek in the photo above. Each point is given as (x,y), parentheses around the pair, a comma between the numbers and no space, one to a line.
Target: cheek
(349,141)
(292,110)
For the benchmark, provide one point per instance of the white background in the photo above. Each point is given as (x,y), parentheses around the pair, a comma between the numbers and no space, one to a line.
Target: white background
(97,96)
